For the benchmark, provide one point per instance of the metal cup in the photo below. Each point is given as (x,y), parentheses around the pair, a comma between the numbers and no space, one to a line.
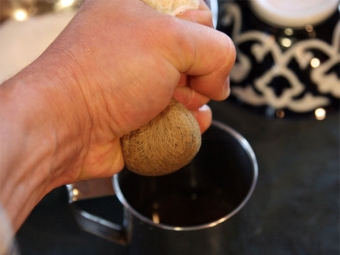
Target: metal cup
(192,211)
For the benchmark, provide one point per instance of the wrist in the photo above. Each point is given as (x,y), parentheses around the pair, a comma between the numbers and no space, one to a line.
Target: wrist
(41,131)
(63,104)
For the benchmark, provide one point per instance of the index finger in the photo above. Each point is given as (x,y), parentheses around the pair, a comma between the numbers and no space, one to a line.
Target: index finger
(210,59)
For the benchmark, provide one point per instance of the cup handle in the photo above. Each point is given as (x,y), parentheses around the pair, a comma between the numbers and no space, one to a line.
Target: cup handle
(91,223)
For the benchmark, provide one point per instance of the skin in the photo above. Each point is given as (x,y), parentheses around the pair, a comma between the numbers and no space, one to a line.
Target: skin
(63,115)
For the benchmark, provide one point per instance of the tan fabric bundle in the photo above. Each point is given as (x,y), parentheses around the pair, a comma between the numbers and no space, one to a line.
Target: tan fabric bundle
(165,144)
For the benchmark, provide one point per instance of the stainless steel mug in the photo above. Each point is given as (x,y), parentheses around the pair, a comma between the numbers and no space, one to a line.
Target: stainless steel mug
(192,211)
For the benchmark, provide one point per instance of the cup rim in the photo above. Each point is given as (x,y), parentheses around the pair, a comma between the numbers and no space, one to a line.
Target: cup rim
(247,148)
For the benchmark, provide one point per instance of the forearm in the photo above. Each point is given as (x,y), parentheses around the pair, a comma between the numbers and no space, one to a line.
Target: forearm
(36,138)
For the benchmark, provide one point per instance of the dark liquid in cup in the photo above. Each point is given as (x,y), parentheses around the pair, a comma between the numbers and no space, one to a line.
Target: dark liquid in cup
(188,208)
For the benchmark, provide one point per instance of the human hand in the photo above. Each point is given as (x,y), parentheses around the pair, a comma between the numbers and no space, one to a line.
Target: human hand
(128,72)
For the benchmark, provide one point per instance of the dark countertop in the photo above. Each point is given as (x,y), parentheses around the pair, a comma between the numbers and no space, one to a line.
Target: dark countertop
(294,209)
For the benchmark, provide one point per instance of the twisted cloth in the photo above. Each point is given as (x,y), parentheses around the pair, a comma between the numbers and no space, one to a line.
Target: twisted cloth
(173,7)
